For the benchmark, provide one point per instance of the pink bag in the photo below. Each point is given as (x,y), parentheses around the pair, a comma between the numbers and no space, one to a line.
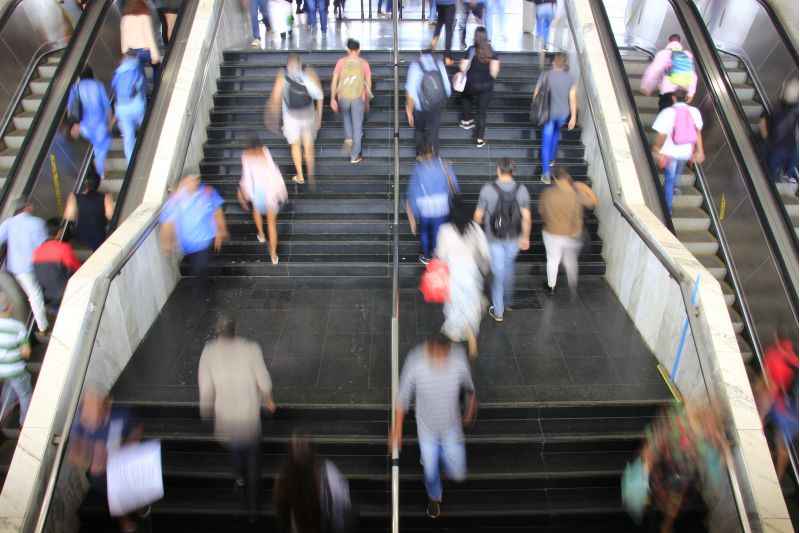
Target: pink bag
(684,130)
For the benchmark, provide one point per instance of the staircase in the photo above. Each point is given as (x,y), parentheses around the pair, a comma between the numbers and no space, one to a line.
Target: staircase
(753,107)
(17,131)
(689,214)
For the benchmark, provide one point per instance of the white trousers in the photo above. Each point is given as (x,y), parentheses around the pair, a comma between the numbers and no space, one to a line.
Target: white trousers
(562,248)
(34,292)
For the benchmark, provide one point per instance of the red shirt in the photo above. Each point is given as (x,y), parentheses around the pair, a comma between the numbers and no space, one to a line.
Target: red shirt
(53,251)
(780,364)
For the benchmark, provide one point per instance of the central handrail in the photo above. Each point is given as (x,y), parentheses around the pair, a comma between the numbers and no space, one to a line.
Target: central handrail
(395,349)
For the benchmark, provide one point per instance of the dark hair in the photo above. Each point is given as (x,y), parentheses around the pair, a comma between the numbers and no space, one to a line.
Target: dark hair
(439,340)
(674,38)
(294,57)
(136,7)
(483,48)
(353,45)
(426,151)
(92,181)
(53,226)
(680,95)
(461,215)
(561,173)
(297,488)
(506,166)
(253,142)
(87,73)
(226,327)
(560,60)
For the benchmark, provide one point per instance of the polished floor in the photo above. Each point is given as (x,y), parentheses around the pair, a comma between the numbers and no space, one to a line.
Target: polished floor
(331,345)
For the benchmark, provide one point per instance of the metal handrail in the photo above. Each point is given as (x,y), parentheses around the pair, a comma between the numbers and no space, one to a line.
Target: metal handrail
(8,11)
(395,349)
(737,132)
(780,28)
(684,284)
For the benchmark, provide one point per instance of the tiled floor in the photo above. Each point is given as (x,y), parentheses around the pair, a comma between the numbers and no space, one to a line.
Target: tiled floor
(332,345)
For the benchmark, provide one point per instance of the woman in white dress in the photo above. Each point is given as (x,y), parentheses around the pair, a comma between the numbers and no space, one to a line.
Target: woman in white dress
(462,245)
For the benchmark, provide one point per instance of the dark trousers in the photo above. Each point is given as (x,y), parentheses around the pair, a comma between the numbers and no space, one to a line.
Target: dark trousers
(469,99)
(426,129)
(428,230)
(782,162)
(198,265)
(245,457)
(445,16)
(665,101)
(143,55)
(477,12)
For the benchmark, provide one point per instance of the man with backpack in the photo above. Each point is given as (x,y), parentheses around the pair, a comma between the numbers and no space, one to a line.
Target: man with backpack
(672,68)
(129,86)
(779,132)
(504,211)
(679,140)
(297,98)
(351,89)
(89,113)
(427,91)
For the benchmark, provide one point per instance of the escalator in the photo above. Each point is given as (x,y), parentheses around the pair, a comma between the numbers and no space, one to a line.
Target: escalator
(725,213)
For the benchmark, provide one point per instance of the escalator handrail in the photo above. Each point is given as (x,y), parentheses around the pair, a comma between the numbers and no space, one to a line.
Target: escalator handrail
(394,366)
(8,11)
(54,101)
(628,108)
(780,28)
(737,133)
(685,284)
(45,50)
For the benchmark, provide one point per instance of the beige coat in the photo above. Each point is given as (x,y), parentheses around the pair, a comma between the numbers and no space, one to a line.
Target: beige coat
(561,206)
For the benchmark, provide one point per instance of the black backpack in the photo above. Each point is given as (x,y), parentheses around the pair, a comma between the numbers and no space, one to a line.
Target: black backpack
(75,109)
(432,94)
(296,94)
(506,220)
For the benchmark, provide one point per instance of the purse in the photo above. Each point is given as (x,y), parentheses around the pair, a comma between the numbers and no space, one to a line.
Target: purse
(435,282)
(459,82)
(540,104)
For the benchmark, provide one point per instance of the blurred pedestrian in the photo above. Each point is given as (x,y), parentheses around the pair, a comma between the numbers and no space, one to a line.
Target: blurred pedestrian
(779,131)
(463,246)
(427,91)
(495,9)
(234,384)
(168,13)
(433,376)
(90,210)
(679,140)
(563,91)
(280,17)
(482,67)
(15,350)
(22,234)
(89,113)
(257,6)
(430,189)
(54,262)
(263,188)
(314,8)
(98,431)
(193,219)
(504,211)
(545,13)
(466,7)
(445,17)
(311,495)
(130,88)
(297,99)
(683,448)
(351,90)
(561,206)
(136,32)
(671,69)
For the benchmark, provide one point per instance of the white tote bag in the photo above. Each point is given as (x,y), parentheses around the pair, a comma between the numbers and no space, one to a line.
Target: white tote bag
(134,477)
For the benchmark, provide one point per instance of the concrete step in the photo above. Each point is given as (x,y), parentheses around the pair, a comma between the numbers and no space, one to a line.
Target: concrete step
(715,266)
(39,86)
(31,103)
(687,197)
(47,71)
(23,121)
(15,138)
(698,242)
(690,219)
(7,158)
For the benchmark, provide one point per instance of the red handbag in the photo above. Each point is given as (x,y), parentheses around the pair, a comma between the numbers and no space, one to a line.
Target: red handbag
(435,282)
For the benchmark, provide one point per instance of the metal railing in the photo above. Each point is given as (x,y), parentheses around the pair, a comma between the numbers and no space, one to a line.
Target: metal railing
(685,285)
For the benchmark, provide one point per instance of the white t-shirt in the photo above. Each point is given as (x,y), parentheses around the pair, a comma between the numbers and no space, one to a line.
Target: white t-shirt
(664,123)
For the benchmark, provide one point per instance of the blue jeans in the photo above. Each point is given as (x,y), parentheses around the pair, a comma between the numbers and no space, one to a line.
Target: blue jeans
(432,10)
(428,229)
(389,6)
(782,162)
(143,54)
(129,119)
(544,16)
(255,7)
(672,173)
(502,255)
(551,135)
(99,136)
(318,5)
(493,8)
(447,452)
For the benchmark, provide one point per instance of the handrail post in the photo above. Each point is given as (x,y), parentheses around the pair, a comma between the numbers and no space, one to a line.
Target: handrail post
(395,348)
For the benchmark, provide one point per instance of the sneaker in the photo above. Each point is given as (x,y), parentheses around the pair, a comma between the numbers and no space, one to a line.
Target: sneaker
(255,43)
(466,124)
(42,337)
(261,238)
(480,143)
(546,179)
(548,290)
(358,159)
(424,260)
(434,509)
(239,483)
(493,315)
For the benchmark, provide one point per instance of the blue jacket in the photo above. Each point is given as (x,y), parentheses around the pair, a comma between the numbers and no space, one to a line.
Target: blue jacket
(428,191)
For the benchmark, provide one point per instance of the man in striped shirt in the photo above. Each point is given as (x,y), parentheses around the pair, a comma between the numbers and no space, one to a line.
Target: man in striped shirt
(434,374)
(14,350)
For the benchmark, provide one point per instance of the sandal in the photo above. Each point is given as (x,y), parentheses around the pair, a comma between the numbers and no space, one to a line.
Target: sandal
(297,180)
(274,259)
